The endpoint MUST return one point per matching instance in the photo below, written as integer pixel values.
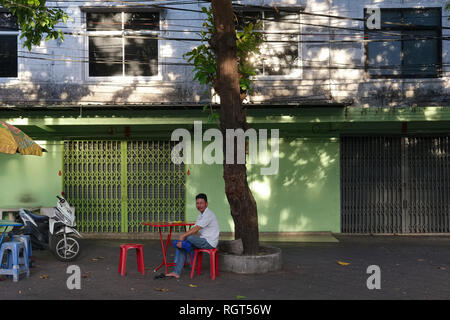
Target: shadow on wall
(68, 94)
(304, 195)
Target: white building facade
(132, 53)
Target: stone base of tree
(231, 246)
(268, 259)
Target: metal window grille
(116, 185)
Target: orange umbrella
(13, 140)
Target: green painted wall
(303, 196)
(30, 181)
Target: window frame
(122, 33)
(403, 29)
(298, 70)
(19, 59)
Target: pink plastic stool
(214, 262)
(123, 257)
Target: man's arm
(191, 231)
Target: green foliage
(248, 43)
(35, 20)
(203, 58)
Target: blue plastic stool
(27, 242)
(14, 267)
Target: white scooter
(55, 232)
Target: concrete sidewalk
(412, 267)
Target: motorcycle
(56, 232)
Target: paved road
(411, 267)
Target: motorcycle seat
(37, 218)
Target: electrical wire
(335, 66)
(126, 33)
(302, 23)
(278, 42)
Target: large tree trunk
(232, 116)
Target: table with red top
(161, 225)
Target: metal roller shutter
(395, 184)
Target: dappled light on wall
(261, 189)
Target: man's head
(201, 202)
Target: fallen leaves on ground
(97, 258)
(86, 274)
(240, 297)
(43, 276)
(162, 289)
(193, 285)
(343, 263)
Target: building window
(407, 46)
(8, 45)
(123, 43)
(280, 52)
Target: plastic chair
(14, 266)
(27, 242)
(214, 262)
(123, 257)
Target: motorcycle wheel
(65, 253)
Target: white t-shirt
(210, 228)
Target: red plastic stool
(214, 262)
(123, 257)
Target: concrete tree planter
(268, 259)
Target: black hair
(201, 196)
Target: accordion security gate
(395, 184)
(116, 185)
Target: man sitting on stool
(208, 227)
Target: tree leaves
(35, 20)
(203, 58)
